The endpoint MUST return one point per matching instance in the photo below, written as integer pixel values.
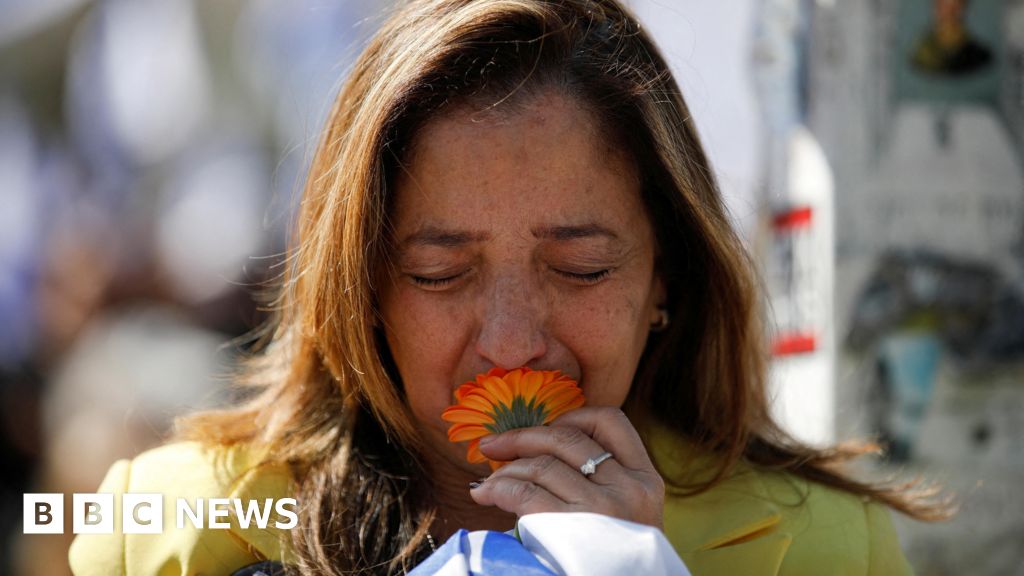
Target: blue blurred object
(910, 361)
(20, 232)
(293, 56)
(139, 84)
(482, 554)
(209, 217)
(21, 18)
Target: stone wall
(930, 216)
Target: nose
(512, 325)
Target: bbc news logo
(144, 513)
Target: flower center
(520, 415)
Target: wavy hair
(326, 395)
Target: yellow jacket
(755, 523)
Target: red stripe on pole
(793, 218)
(790, 344)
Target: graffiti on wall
(919, 307)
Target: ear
(659, 296)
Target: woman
(507, 183)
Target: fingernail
(486, 440)
(476, 483)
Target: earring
(663, 321)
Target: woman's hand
(543, 473)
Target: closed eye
(584, 278)
(434, 282)
(588, 277)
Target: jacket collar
(248, 477)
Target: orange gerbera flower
(501, 400)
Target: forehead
(545, 158)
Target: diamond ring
(590, 466)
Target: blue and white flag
(481, 553)
(557, 544)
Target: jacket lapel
(730, 529)
(733, 528)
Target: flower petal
(478, 400)
(556, 389)
(557, 411)
(496, 371)
(461, 414)
(498, 388)
(462, 432)
(531, 384)
(514, 380)
(464, 389)
(473, 454)
(561, 397)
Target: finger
(567, 443)
(553, 475)
(611, 428)
(517, 496)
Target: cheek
(426, 343)
(605, 331)
(606, 316)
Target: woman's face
(520, 240)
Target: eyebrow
(444, 238)
(431, 236)
(573, 232)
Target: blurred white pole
(800, 267)
(798, 258)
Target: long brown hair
(327, 398)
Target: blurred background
(870, 152)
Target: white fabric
(581, 543)
(476, 551)
(557, 544)
(455, 566)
